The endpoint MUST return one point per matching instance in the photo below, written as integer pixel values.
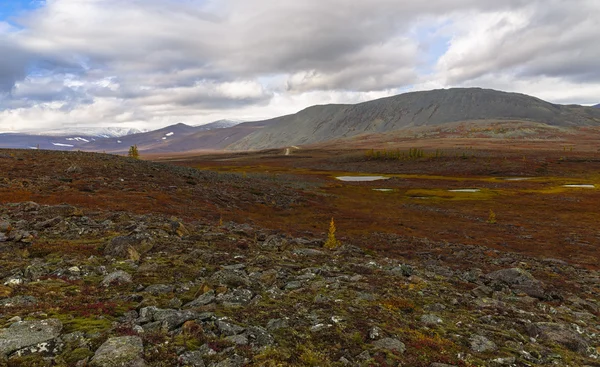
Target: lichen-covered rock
(28, 333)
(117, 277)
(191, 359)
(203, 300)
(560, 334)
(120, 246)
(390, 344)
(481, 344)
(125, 351)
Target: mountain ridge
(318, 124)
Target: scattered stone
(19, 301)
(236, 297)
(481, 344)
(124, 351)
(191, 359)
(123, 245)
(28, 333)
(431, 320)
(560, 334)
(390, 344)
(203, 300)
(276, 324)
(117, 277)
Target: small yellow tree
(332, 242)
(133, 152)
(492, 217)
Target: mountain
(97, 132)
(110, 139)
(220, 124)
(597, 106)
(417, 109)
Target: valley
(463, 256)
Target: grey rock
(191, 359)
(259, 336)
(120, 246)
(403, 270)
(18, 301)
(172, 319)
(308, 252)
(28, 333)
(229, 329)
(230, 278)
(390, 344)
(482, 291)
(157, 289)
(125, 351)
(235, 361)
(273, 243)
(560, 334)
(293, 285)
(5, 226)
(117, 277)
(236, 297)
(506, 361)
(431, 320)
(62, 210)
(481, 344)
(375, 333)
(276, 324)
(511, 276)
(30, 206)
(238, 339)
(203, 300)
(47, 223)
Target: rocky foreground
(82, 288)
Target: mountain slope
(431, 108)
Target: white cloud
(149, 63)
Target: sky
(151, 63)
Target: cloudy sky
(151, 63)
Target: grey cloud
(144, 59)
(558, 39)
(13, 65)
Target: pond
(581, 186)
(465, 190)
(361, 178)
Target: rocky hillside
(432, 108)
(114, 283)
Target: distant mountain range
(597, 106)
(96, 132)
(326, 123)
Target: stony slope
(85, 284)
(431, 108)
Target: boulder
(117, 277)
(481, 344)
(125, 351)
(28, 333)
(390, 344)
(559, 333)
(122, 245)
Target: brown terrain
(219, 258)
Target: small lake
(581, 186)
(518, 178)
(465, 190)
(383, 190)
(361, 178)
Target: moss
(86, 325)
(76, 355)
